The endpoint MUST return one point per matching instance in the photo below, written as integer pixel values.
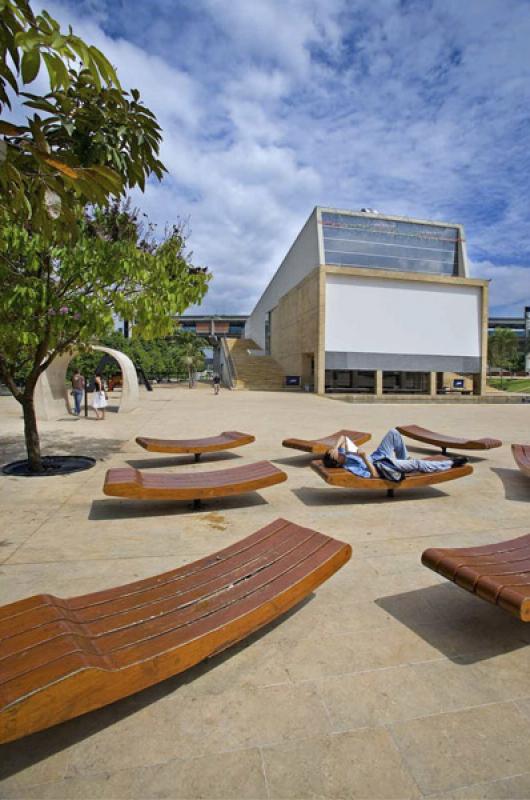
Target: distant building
(520, 326)
(213, 325)
(365, 302)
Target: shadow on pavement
(116, 508)
(344, 497)
(23, 753)
(180, 460)
(436, 451)
(516, 485)
(459, 625)
(12, 448)
(301, 460)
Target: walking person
(99, 401)
(216, 380)
(78, 390)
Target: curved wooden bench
(211, 444)
(499, 573)
(61, 658)
(319, 446)
(521, 454)
(196, 486)
(338, 476)
(443, 441)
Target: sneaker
(459, 461)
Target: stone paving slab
(387, 682)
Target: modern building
(213, 325)
(365, 302)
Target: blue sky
(269, 107)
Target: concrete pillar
(433, 383)
(479, 383)
(320, 372)
(379, 382)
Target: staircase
(258, 372)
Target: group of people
(99, 398)
(390, 460)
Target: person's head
(330, 461)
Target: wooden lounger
(521, 454)
(338, 476)
(196, 486)
(443, 441)
(212, 444)
(499, 573)
(61, 658)
(319, 446)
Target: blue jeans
(78, 397)
(393, 447)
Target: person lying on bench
(390, 461)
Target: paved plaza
(388, 682)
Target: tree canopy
(503, 349)
(83, 141)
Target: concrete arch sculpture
(52, 397)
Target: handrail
(227, 365)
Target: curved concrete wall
(52, 396)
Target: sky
(416, 108)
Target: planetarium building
(369, 303)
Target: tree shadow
(182, 459)
(30, 750)
(345, 497)
(12, 448)
(131, 509)
(516, 485)
(464, 628)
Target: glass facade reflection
(379, 243)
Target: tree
(503, 349)
(64, 269)
(191, 355)
(86, 139)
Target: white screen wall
(366, 315)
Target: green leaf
(30, 65)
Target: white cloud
(509, 288)
(271, 107)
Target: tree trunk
(31, 434)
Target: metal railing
(228, 372)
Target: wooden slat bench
(62, 658)
(498, 573)
(137, 485)
(521, 454)
(441, 440)
(319, 446)
(211, 444)
(338, 476)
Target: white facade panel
(367, 315)
(299, 262)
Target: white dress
(99, 400)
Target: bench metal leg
(197, 457)
(196, 505)
(390, 493)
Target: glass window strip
(400, 258)
(417, 230)
(390, 244)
